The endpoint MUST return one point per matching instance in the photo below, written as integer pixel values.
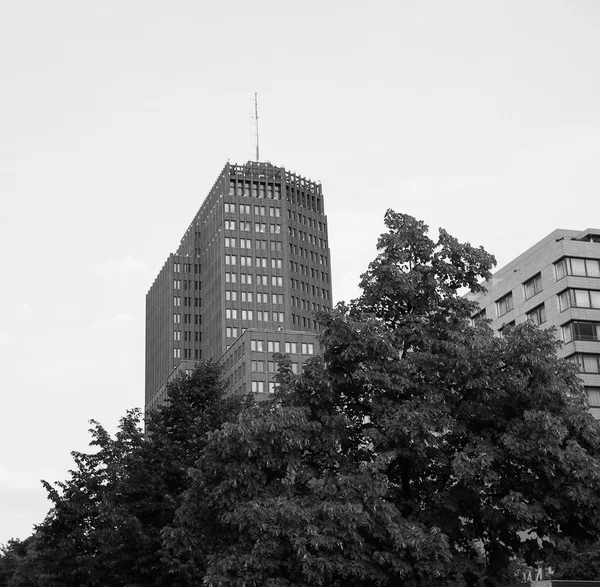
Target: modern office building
(554, 283)
(250, 271)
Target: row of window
(187, 318)
(261, 315)
(306, 304)
(579, 298)
(186, 267)
(248, 278)
(580, 330)
(187, 336)
(246, 261)
(588, 363)
(306, 254)
(255, 189)
(307, 236)
(260, 386)
(258, 226)
(259, 367)
(308, 288)
(570, 298)
(579, 267)
(302, 218)
(187, 354)
(305, 322)
(274, 346)
(567, 266)
(273, 211)
(259, 245)
(187, 301)
(187, 284)
(248, 296)
(308, 271)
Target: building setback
(555, 283)
(250, 271)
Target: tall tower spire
(256, 123)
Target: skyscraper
(250, 271)
(555, 283)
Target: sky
(116, 117)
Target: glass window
(533, 286)
(256, 345)
(537, 315)
(504, 304)
(593, 396)
(273, 346)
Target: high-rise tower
(249, 273)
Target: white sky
(117, 116)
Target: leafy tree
(105, 525)
(440, 451)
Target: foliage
(106, 521)
(421, 450)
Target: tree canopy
(419, 450)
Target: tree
(423, 451)
(106, 521)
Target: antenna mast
(256, 122)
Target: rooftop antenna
(256, 123)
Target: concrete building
(254, 258)
(554, 283)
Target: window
(258, 227)
(537, 315)
(256, 345)
(588, 363)
(504, 305)
(230, 259)
(246, 226)
(229, 224)
(258, 366)
(177, 335)
(177, 353)
(272, 387)
(275, 228)
(230, 277)
(258, 387)
(229, 207)
(533, 286)
(176, 318)
(246, 296)
(308, 348)
(574, 266)
(593, 396)
(273, 346)
(277, 280)
(246, 314)
(578, 330)
(507, 325)
(230, 296)
(579, 298)
(291, 347)
(231, 332)
(231, 313)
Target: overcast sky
(117, 116)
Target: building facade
(555, 283)
(255, 256)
